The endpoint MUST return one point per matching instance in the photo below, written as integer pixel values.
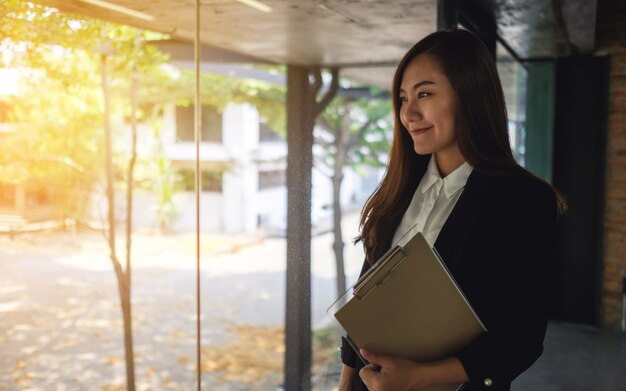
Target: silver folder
(408, 305)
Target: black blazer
(498, 243)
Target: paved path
(60, 326)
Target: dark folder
(409, 305)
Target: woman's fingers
(374, 358)
(370, 375)
(388, 373)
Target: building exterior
(243, 163)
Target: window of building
(211, 128)
(267, 134)
(211, 181)
(272, 179)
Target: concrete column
(579, 164)
(300, 114)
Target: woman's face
(428, 108)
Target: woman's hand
(346, 380)
(390, 373)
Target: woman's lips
(419, 130)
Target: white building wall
(240, 182)
(211, 206)
(272, 209)
(321, 197)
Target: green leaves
(356, 131)
(59, 108)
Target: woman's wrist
(345, 379)
(421, 376)
(449, 370)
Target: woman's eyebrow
(418, 85)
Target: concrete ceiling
(544, 29)
(366, 38)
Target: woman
(452, 175)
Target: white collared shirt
(432, 203)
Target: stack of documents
(408, 305)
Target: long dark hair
(481, 132)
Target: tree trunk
(128, 335)
(338, 244)
(341, 144)
(127, 309)
(130, 175)
(342, 139)
(123, 280)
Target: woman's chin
(422, 150)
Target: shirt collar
(452, 183)
(431, 176)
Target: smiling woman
(451, 175)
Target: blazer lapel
(455, 231)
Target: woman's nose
(411, 111)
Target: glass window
(267, 134)
(60, 303)
(211, 181)
(271, 179)
(211, 124)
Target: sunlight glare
(75, 25)
(171, 70)
(9, 81)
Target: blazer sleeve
(348, 355)
(513, 293)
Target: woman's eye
(423, 94)
(403, 99)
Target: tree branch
(320, 141)
(319, 163)
(354, 139)
(318, 81)
(330, 94)
(325, 123)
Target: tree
(353, 131)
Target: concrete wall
(240, 124)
